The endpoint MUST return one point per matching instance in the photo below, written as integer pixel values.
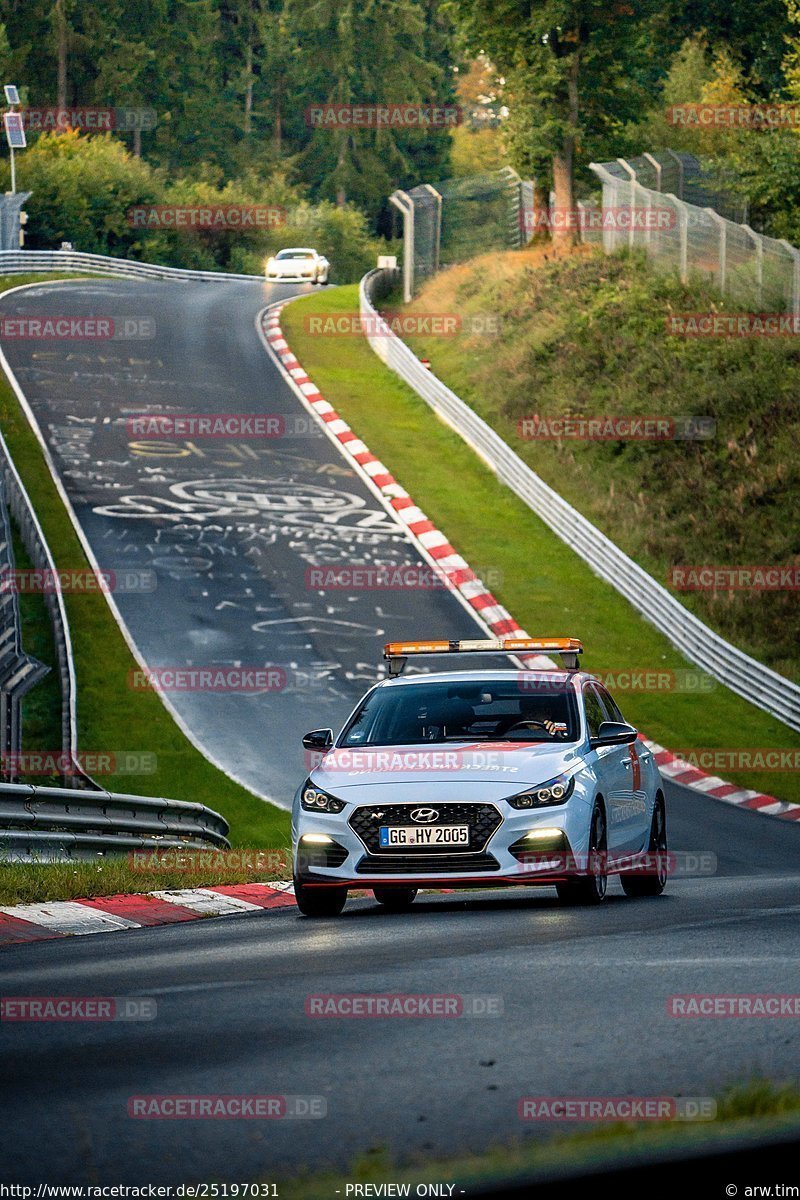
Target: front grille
(444, 864)
(482, 819)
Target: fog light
(544, 840)
(316, 839)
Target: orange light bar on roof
(485, 646)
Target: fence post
(654, 163)
(679, 161)
(722, 225)
(438, 238)
(626, 166)
(684, 229)
(404, 202)
(795, 253)
(759, 245)
(648, 232)
(581, 222)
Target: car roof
(304, 249)
(479, 676)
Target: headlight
(313, 799)
(555, 791)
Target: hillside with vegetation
(582, 335)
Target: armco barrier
(700, 644)
(35, 544)
(39, 822)
(15, 262)
(47, 823)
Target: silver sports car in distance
(299, 264)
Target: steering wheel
(526, 725)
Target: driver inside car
(532, 716)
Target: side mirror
(614, 733)
(318, 739)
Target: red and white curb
(679, 771)
(430, 541)
(64, 918)
(435, 546)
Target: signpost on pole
(15, 130)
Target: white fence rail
(16, 262)
(700, 644)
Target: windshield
(492, 711)
(295, 254)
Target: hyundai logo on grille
(424, 815)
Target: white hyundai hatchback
(479, 778)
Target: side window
(610, 706)
(594, 711)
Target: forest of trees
(230, 81)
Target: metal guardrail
(700, 644)
(48, 823)
(44, 822)
(15, 262)
(19, 672)
(35, 543)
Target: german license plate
(421, 835)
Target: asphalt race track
(583, 994)
(227, 529)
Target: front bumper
(495, 855)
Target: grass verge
(541, 581)
(587, 335)
(37, 883)
(112, 717)
(753, 1111)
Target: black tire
(319, 901)
(589, 889)
(395, 899)
(639, 885)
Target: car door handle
(626, 762)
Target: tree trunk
(341, 195)
(248, 92)
(540, 217)
(61, 52)
(137, 142)
(565, 229)
(277, 131)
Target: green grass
(36, 883)
(586, 335)
(544, 585)
(751, 1111)
(111, 716)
